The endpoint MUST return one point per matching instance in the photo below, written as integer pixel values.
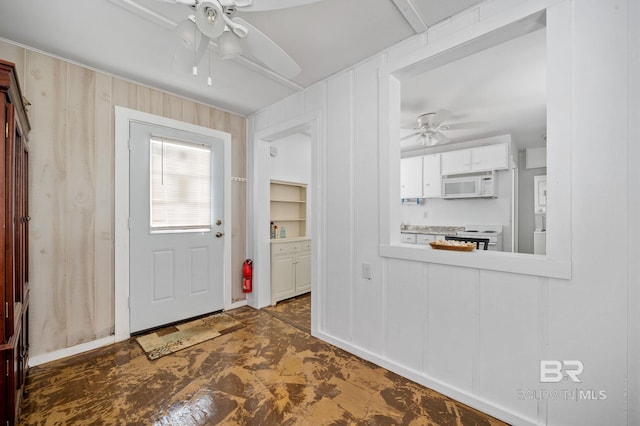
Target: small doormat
(174, 338)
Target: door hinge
(130, 145)
(129, 223)
(7, 368)
(6, 309)
(129, 302)
(6, 129)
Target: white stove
(492, 232)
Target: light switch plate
(366, 270)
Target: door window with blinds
(180, 186)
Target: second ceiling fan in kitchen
(431, 127)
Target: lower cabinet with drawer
(290, 269)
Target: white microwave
(478, 186)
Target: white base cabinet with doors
(290, 268)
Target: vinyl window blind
(180, 186)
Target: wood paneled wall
(72, 190)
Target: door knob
(219, 234)
(218, 222)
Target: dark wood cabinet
(14, 232)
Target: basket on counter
(452, 245)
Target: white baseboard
(94, 344)
(236, 305)
(73, 350)
(459, 395)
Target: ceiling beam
(412, 16)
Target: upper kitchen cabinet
(431, 176)
(411, 177)
(481, 159)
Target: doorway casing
(259, 231)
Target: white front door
(176, 225)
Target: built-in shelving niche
(289, 208)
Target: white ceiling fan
(430, 127)
(216, 20)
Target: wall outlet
(366, 270)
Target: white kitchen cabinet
(490, 157)
(481, 159)
(427, 238)
(454, 162)
(290, 269)
(303, 272)
(431, 176)
(408, 238)
(411, 177)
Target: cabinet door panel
(411, 177)
(492, 157)
(431, 177)
(282, 277)
(303, 272)
(456, 162)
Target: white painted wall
(292, 163)
(475, 334)
(293, 160)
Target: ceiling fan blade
(410, 136)
(442, 115)
(185, 2)
(258, 46)
(466, 125)
(262, 5)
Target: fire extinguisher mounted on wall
(247, 276)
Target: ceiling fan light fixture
(228, 45)
(209, 18)
(434, 138)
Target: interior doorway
(288, 140)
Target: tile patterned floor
(267, 373)
(295, 311)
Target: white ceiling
(497, 91)
(501, 90)
(133, 39)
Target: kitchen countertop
(433, 230)
(288, 240)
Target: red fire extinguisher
(247, 276)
